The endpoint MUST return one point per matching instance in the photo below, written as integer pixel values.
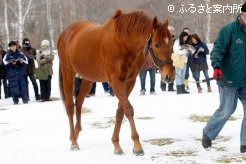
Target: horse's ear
(165, 23)
(117, 13)
(154, 22)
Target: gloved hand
(217, 74)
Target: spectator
(3, 74)
(228, 59)
(30, 53)
(107, 89)
(199, 62)
(18, 45)
(45, 59)
(151, 68)
(180, 72)
(189, 60)
(15, 62)
(163, 84)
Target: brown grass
(198, 118)
(160, 141)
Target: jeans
(180, 75)
(142, 76)
(196, 76)
(228, 103)
(93, 88)
(77, 84)
(105, 86)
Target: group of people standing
(195, 60)
(194, 53)
(18, 64)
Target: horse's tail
(61, 84)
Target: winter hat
(243, 9)
(12, 43)
(45, 43)
(26, 42)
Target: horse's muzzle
(167, 79)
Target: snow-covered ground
(170, 128)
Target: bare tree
(6, 20)
(208, 23)
(50, 24)
(22, 18)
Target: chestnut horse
(114, 52)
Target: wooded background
(45, 19)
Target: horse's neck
(137, 42)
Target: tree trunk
(49, 19)
(21, 18)
(208, 23)
(6, 21)
(20, 21)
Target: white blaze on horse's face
(166, 40)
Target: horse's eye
(157, 45)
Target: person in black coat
(15, 62)
(30, 53)
(3, 78)
(199, 62)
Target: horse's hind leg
(84, 90)
(67, 84)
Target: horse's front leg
(129, 113)
(122, 91)
(115, 138)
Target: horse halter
(149, 50)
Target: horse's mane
(137, 22)
(133, 22)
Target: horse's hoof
(75, 147)
(138, 152)
(119, 152)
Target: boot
(163, 86)
(183, 89)
(209, 89)
(199, 88)
(186, 83)
(242, 149)
(37, 97)
(179, 91)
(206, 142)
(170, 87)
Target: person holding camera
(45, 59)
(15, 63)
(30, 53)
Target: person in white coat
(179, 49)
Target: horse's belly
(89, 71)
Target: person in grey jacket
(45, 59)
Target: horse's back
(71, 31)
(79, 45)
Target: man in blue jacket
(229, 62)
(15, 62)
